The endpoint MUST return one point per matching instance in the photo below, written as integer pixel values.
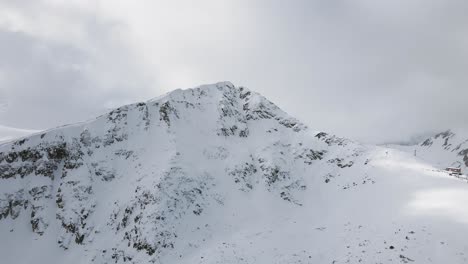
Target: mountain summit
(219, 174)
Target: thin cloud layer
(375, 71)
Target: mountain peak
(143, 172)
(213, 174)
(224, 87)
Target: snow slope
(9, 133)
(445, 149)
(219, 174)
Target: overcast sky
(370, 70)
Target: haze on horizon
(375, 71)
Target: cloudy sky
(371, 70)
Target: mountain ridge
(216, 174)
(11, 133)
(448, 148)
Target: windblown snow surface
(219, 174)
(10, 133)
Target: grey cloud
(375, 71)
(375, 74)
(46, 84)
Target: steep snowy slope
(218, 174)
(449, 148)
(9, 133)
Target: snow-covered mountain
(445, 149)
(219, 174)
(10, 133)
